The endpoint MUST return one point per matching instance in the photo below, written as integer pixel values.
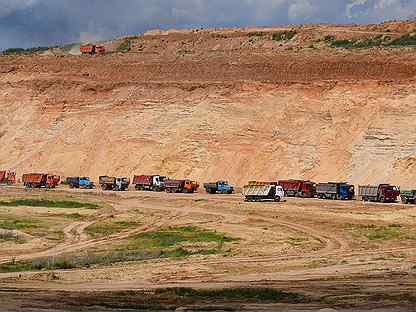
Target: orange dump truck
(7, 177)
(181, 186)
(91, 49)
(40, 180)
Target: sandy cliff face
(186, 106)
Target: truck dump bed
(368, 190)
(257, 190)
(328, 188)
(107, 180)
(143, 180)
(34, 178)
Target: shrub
(284, 35)
(405, 40)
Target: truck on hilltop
(91, 49)
(221, 187)
(383, 193)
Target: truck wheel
(382, 199)
(277, 199)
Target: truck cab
(158, 183)
(224, 188)
(190, 186)
(122, 184)
(408, 197)
(86, 183)
(280, 193)
(346, 191)
(388, 193)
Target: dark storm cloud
(26, 23)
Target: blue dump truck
(335, 190)
(80, 182)
(221, 187)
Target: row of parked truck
(253, 191)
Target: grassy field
(47, 204)
(383, 232)
(169, 243)
(48, 227)
(109, 227)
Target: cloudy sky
(28, 23)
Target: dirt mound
(236, 104)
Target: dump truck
(221, 187)
(40, 180)
(263, 191)
(155, 183)
(80, 183)
(7, 177)
(383, 193)
(408, 197)
(335, 190)
(298, 188)
(181, 186)
(91, 49)
(114, 183)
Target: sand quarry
(232, 104)
(337, 254)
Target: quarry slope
(218, 104)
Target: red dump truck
(180, 186)
(91, 49)
(298, 188)
(7, 177)
(155, 183)
(40, 180)
(383, 193)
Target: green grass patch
(383, 232)
(175, 236)
(47, 204)
(238, 294)
(20, 224)
(44, 226)
(88, 260)
(108, 228)
(153, 245)
(10, 237)
(284, 35)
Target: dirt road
(306, 245)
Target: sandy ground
(329, 262)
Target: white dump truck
(263, 191)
